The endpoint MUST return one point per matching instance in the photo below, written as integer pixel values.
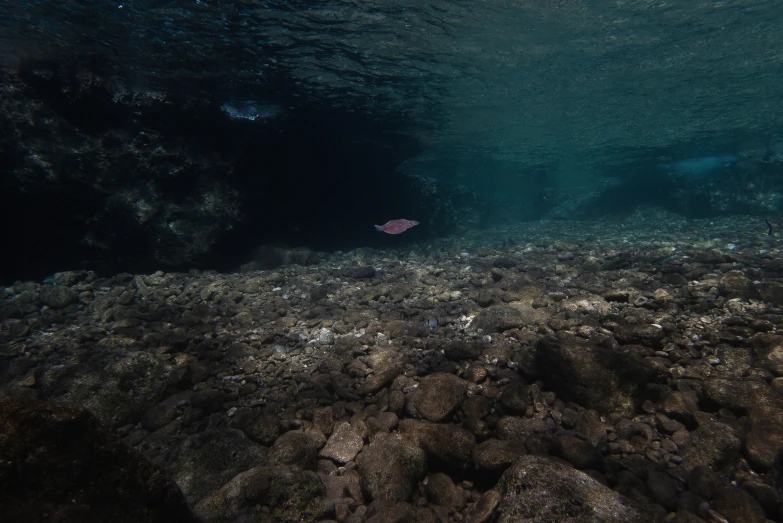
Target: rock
(265, 493)
(494, 454)
(261, 428)
(446, 443)
(579, 452)
(714, 444)
(365, 271)
(459, 350)
(681, 405)
(323, 420)
(663, 489)
(768, 352)
(57, 296)
(203, 462)
(437, 396)
(297, 449)
(538, 489)
(499, 318)
(158, 416)
(386, 364)
(739, 394)
(209, 400)
(702, 481)
(644, 334)
(515, 398)
(60, 464)
(440, 489)
(599, 378)
(484, 509)
(381, 511)
(764, 437)
(734, 284)
(383, 422)
(343, 445)
(738, 506)
(117, 387)
(390, 467)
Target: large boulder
(59, 464)
(539, 489)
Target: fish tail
(380, 227)
(771, 228)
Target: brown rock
(441, 490)
(537, 489)
(740, 394)
(343, 445)
(714, 444)
(297, 448)
(681, 405)
(494, 454)
(277, 493)
(390, 468)
(764, 437)
(738, 506)
(485, 507)
(437, 396)
(447, 443)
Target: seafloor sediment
(552, 371)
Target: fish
(396, 226)
(773, 228)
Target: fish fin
(380, 227)
(771, 227)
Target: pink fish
(396, 226)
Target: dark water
(146, 134)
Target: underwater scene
(391, 261)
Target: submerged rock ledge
(552, 371)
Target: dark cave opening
(311, 176)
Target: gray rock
(734, 284)
(390, 468)
(343, 444)
(437, 396)
(57, 296)
(277, 493)
(538, 489)
(205, 461)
